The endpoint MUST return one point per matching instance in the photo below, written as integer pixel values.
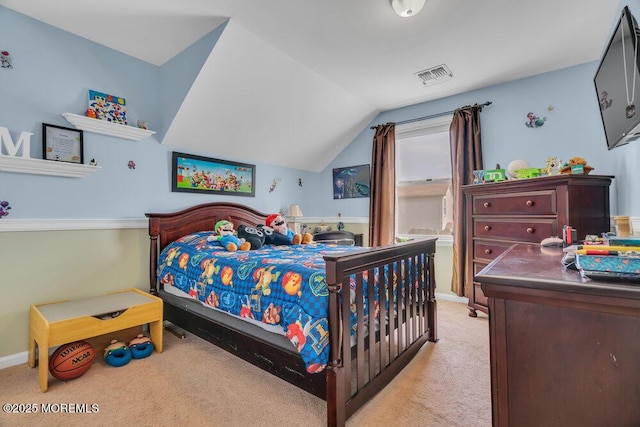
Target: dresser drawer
(488, 250)
(526, 203)
(516, 229)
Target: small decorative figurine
(534, 121)
(478, 176)
(552, 166)
(131, 164)
(4, 209)
(142, 124)
(274, 184)
(5, 59)
(93, 162)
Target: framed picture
(62, 144)
(197, 174)
(351, 182)
(111, 108)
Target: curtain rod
(432, 116)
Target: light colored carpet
(447, 384)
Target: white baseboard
(451, 297)
(13, 359)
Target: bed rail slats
(389, 333)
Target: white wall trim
(66, 224)
(332, 220)
(452, 298)
(13, 359)
(70, 224)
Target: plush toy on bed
(226, 236)
(253, 235)
(272, 237)
(279, 225)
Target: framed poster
(351, 182)
(62, 144)
(197, 174)
(111, 108)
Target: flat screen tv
(617, 83)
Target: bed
(388, 322)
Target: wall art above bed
(197, 174)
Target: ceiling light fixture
(407, 8)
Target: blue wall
(53, 70)
(573, 129)
(52, 73)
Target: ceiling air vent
(434, 75)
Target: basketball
(70, 361)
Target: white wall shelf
(107, 128)
(45, 167)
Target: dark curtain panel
(466, 156)
(382, 201)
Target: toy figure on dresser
(225, 234)
(576, 165)
(279, 225)
(553, 165)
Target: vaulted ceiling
(301, 79)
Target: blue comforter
(275, 285)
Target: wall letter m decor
(11, 148)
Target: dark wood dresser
(565, 351)
(499, 214)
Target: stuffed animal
(253, 235)
(552, 168)
(576, 161)
(279, 225)
(272, 237)
(226, 236)
(117, 354)
(140, 347)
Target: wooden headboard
(164, 228)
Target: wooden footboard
(389, 335)
(405, 324)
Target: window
(424, 204)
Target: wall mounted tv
(617, 83)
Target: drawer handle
(487, 227)
(487, 204)
(488, 251)
(529, 203)
(530, 230)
